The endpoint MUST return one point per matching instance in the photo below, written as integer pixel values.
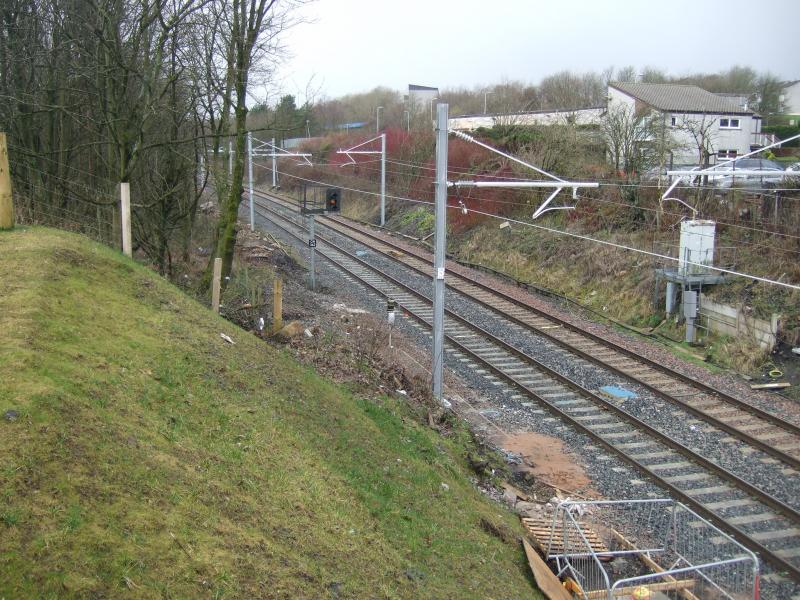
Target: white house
(580, 116)
(729, 129)
(790, 96)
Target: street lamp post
(485, 94)
(378, 119)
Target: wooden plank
(673, 586)
(215, 285)
(657, 568)
(770, 386)
(540, 530)
(548, 583)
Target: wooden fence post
(6, 200)
(125, 216)
(215, 284)
(277, 305)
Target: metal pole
(378, 119)
(383, 179)
(439, 249)
(274, 168)
(250, 179)
(312, 242)
(230, 159)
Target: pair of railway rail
(759, 520)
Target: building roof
(522, 113)
(680, 98)
(421, 88)
(356, 125)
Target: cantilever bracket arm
(349, 152)
(689, 206)
(357, 146)
(557, 184)
(270, 150)
(350, 158)
(543, 206)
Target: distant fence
(40, 197)
(97, 221)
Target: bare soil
(546, 459)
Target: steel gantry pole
(439, 249)
(250, 179)
(383, 179)
(274, 166)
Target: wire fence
(95, 220)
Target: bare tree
(635, 141)
(245, 44)
(700, 131)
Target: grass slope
(152, 459)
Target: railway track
(758, 428)
(747, 423)
(759, 520)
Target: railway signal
(332, 199)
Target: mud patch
(548, 462)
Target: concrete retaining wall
(727, 320)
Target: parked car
(652, 174)
(773, 174)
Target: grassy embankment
(142, 456)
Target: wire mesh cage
(666, 551)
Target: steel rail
(770, 419)
(765, 415)
(694, 458)
(764, 446)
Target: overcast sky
(356, 45)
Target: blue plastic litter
(618, 393)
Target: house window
(726, 154)
(729, 124)
(673, 122)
